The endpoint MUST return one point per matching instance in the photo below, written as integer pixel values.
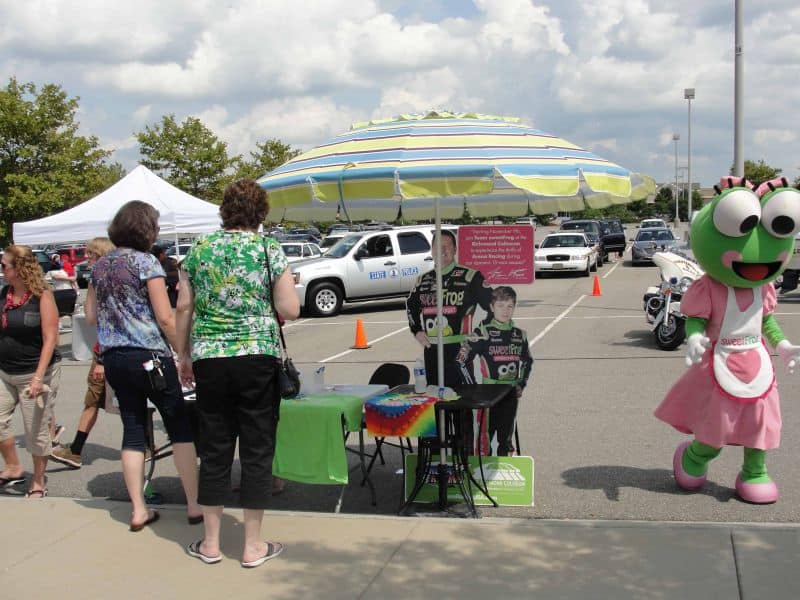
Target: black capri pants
(236, 397)
(126, 375)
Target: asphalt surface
(586, 416)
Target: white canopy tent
(179, 212)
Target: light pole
(688, 94)
(675, 138)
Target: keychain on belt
(155, 373)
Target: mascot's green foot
(753, 484)
(685, 480)
(757, 491)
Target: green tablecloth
(309, 446)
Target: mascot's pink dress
(697, 403)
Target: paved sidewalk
(64, 548)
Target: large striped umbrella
(487, 164)
(437, 164)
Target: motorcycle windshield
(677, 266)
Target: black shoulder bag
(288, 375)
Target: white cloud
(605, 74)
(766, 137)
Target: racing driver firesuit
(503, 357)
(464, 289)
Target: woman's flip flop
(193, 549)
(273, 550)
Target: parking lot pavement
(586, 416)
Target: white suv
(365, 265)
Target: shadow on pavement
(611, 478)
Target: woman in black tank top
(28, 339)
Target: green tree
(45, 166)
(269, 156)
(758, 172)
(188, 155)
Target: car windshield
(343, 246)
(651, 224)
(663, 235)
(563, 241)
(330, 241)
(581, 226)
(613, 226)
(292, 249)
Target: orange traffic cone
(361, 337)
(596, 288)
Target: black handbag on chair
(288, 375)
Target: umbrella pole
(442, 470)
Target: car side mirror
(536, 246)
(360, 253)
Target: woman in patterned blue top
(135, 327)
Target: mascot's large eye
(781, 213)
(737, 213)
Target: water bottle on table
(420, 380)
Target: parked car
(590, 225)
(565, 251)
(613, 236)
(312, 234)
(365, 265)
(180, 252)
(43, 258)
(338, 228)
(650, 240)
(597, 244)
(653, 223)
(74, 253)
(526, 221)
(331, 240)
(82, 274)
(295, 251)
(376, 226)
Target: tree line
(47, 167)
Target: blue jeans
(126, 375)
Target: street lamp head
(688, 93)
(675, 137)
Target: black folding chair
(391, 374)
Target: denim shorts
(125, 373)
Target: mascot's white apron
(742, 365)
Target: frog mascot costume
(728, 397)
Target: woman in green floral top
(230, 351)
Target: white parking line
(294, 323)
(611, 270)
(370, 342)
(556, 320)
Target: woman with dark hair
(135, 327)
(228, 346)
(28, 364)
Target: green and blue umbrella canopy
(487, 164)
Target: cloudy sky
(608, 75)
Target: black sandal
(151, 519)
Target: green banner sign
(509, 480)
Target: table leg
(364, 470)
(482, 488)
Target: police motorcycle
(788, 280)
(662, 303)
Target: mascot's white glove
(789, 353)
(696, 345)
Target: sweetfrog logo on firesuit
(500, 475)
